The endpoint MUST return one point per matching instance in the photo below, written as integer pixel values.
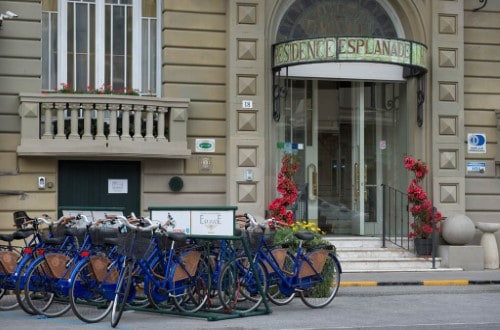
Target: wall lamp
(7, 15)
(484, 2)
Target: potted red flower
(425, 217)
(288, 190)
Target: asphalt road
(393, 307)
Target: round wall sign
(176, 183)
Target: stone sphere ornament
(458, 229)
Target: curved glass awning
(410, 55)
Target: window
(95, 43)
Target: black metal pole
(434, 238)
(383, 218)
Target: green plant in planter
(284, 236)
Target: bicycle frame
(288, 284)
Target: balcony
(105, 126)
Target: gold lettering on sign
(333, 49)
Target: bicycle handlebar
(129, 223)
(45, 220)
(253, 222)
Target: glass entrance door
(350, 138)
(341, 157)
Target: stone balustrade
(117, 126)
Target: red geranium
(421, 207)
(288, 190)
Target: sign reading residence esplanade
(350, 49)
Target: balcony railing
(103, 125)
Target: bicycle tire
(86, 294)
(122, 293)
(238, 288)
(323, 291)
(159, 298)
(20, 294)
(274, 293)
(41, 293)
(195, 288)
(8, 300)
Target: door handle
(356, 181)
(312, 178)
(365, 182)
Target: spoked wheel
(238, 286)
(324, 287)
(40, 291)
(87, 293)
(20, 294)
(275, 295)
(8, 300)
(190, 292)
(158, 297)
(122, 293)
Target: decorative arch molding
(408, 18)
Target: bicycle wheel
(190, 292)
(8, 300)
(41, 292)
(122, 293)
(321, 289)
(20, 294)
(158, 297)
(238, 286)
(274, 292)
(86, 292)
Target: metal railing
(397, 219)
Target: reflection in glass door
(341, 132)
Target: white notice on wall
(117, 186)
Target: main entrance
(350, 138)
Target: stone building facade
(217, 109)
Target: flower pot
(423, 246)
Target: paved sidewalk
(440, 276)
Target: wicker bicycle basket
(135, 244)
(8, 262)
(190, 260)
(253, 237)
(317, 259)
(99, 234)
(279, 255)
(100, 264)
(52, 231)
(78, 233)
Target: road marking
(446, 282)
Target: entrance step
(365, 254)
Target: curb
(457, 282)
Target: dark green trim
(192, 208)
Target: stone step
(365, 254)
(380, 265)
(354, 242)
(369, 253)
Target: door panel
(350, 138)
(86, 184)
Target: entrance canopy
(380, 58)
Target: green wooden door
(100, 184)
